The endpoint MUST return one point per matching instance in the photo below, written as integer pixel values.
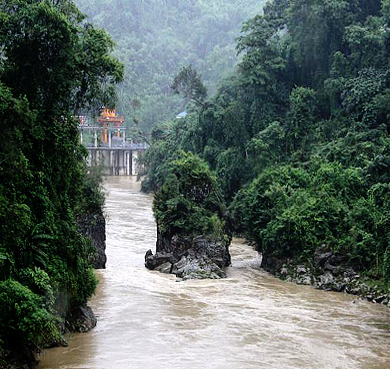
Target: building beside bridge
(108, 145)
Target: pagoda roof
(110, 116)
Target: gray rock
(198, 257)
(380, 299)
(93, 226)
(165, 268)
(335, 275)
(81, 319)
(335, 269)
(326, 281)
(347, 280)
(321, 255)
(305, 279)
(178, 268)
(154, 261)
(272, 264)
(301, 270)
(195, 267)
(213, 248)
(355, 291)
(284, 271)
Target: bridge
(108, 146)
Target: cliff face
(93, 226)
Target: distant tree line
(155, 38)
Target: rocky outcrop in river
(190, 257)
(328, 271)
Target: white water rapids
(148, 320)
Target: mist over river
(249, 320)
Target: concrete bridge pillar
(115, 161)
(134, 158)
(128, 162)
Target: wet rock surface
(93, 226)
(24, 359)
(81, 319)
(328, 272)
(190, 258)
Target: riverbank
(91, 224)
(327, 271)
(249, 320)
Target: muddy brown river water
(249, 320)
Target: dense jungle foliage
(156, 37)
(52, 63)
(298, 136)
(190, 201)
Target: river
(249, 320)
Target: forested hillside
(299, 136)
(156, 37)
(52, 64)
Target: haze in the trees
(299, 135)
(155, 39)
(188, 83)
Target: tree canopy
(155, 39)
(299, 135)
(52, 63)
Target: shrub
(190, 200)
(24, 320)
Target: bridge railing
(116, 138)
(119, 145)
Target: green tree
(300, 119)
(190, 200)
(299, 134)
(263, 71)
(188, 83)
(156, 38)
(52, 64)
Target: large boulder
(81, 319)
(191, 258)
